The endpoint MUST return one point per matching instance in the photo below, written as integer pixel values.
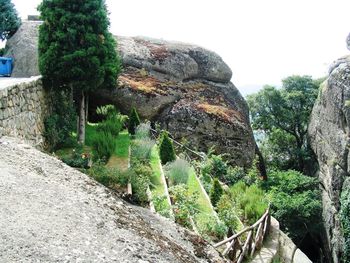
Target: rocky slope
(53, 213)
(329, 137)
(185, 88)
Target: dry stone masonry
(23, 108)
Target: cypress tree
(9, 20)
(166, 149)
(216, 192)
(76, 51)
(134, 121)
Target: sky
(261, 41)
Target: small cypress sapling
(134, 121)
(216, 192)
(166, 149)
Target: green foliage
(178, 171)
(143, 131)
(250, 200)
(184, 204)
(134, 121)
(109, 176)
(61, 123)
(9, 20)
(2, 51)
(140, 180)
(234, 174)
(211, 228)
(103, 146)
(161, 205)
(166, 149)
(106, 111)
(227, 212)
(216, 192)
(345, 222)
(295, 202)
(141, 150)
(282, 115)
(215, 167)
(75, 46)
(77, 159)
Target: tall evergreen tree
(76, 51)
(9, 20)
(134, 121)
(166, 149)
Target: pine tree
(216, 192)
(166, 149)
(134, 121)
(9, 20)
(76, 51)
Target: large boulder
(329, 136)
(187, 90)
(23, 48)
(184, 87)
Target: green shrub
(166, 149)
(109, 176)
(250, 200)
(141, 150)
(106, 111)
(234, 175)
(214, 167)
(113, 122)
(103, 146)
(61, 123)
(178, 171)
(2, 51)
(184, 204)
(293, 193)
(143, 131)
(211, 228)
(134, 121)
(161, 205)
(227, 212)
(77, 159)
(140, 180)
(216, 192)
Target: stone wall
(23, 108)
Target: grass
(121, 153)
(157, 187)
(204, 206)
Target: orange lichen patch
(146, 85)
(222, 112)
(197, 86)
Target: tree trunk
(86, 107)
(82, 121)
(261, 163)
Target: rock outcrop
(185, 88)
(23, 48)
(330, 140)
(51, 212)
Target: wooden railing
(256, 234)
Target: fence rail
(256, 234)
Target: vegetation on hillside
(9, 20)
(76, 51)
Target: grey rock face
(178, 60)
(23, 48)
(54, 213)
(329, 135)
(348, 41)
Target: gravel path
(53, 213)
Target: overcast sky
(262, 41)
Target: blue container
(5, 66)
